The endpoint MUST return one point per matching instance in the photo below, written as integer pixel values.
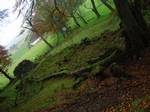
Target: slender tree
(105, 2)
(72, 7)
(27, 9)
(39, 34)
(94, 9)
(82, 18)
(5, 60)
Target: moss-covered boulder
(23, 68)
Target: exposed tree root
(85, 71)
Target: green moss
(51, 94)
(96, 70)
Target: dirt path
(111, 93)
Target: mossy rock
(23, 68)
(27, 89)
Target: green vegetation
(50, 63)
(78, 64)
(106, 23)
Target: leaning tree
(72, 7)
(26, 8)
(50, 14)
(5, 60)
(137, 34)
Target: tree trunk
(134, 33)
(137, 11)
(107, 5)
(82, 18)
(5, 74)
(38, 34)
(95, 9)
(75, 20)
(44, 40)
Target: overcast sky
(10, 26)
(6, 4)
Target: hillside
(102, 64)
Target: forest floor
(115, 95)
(103, 93)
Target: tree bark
(135, 36)
(107, 5)
(137, 11)
(5, 74)
(95, 9)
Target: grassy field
(39, 50)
